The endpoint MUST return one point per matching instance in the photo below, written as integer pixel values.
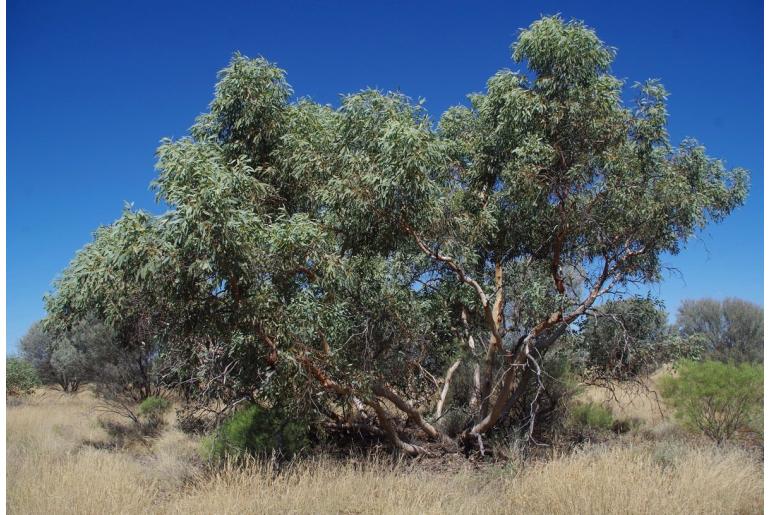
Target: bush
(627, 424)
(154, 406)
(592, 416)
(715, 398)
(152, 410)
(256, 431)
(20, 377)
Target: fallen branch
(390, 432)
(383, 391)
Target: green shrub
(256, 431)
(592, 416)
(20, 377)
(563, 385)
(151, 411)
(153, 406)
(715, 398)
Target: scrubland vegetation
(361, 310)
(61, 460)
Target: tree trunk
(495, 342)
(390, 431)
(476, 388)
(383, 391)
(445, 389)
(506, 389)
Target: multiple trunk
(492, 398)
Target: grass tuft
(51, 469)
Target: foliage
(151, 411)
(152, 406)
(20, 377)
(57, 362)
(733, 329)
(626, 338)
(256, 431)
(332, 260)
(82, 353)
(715, 398)
(592, 416)
(35, 347)
(547, 402)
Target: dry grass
(51, 471)
(633, 401)
(619, 480)
(60, 460)
(647, 479)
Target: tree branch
(383, 391)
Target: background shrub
(715, 398)
(256, 431)
(20, 377)
(153, 406)
(591, 416)
(551, 405)
(732, 329)
(151, 410)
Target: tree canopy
(733, 329)
(339, 261)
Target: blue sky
(93, 86)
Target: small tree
(71, 364)
(733, 329)
(715, 398)
(88, 350)
(57, 360)
(71, 357)
(36, 347)
(20, 377)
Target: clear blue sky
(93, 86)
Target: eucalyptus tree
(107, 305)
(551, 173)
(348, 262)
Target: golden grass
(51, 471)
(643, 480)
(640, 401)
(619, 480)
